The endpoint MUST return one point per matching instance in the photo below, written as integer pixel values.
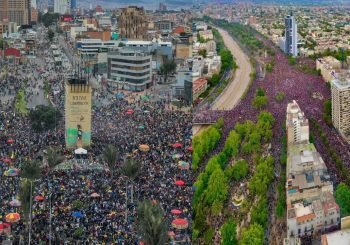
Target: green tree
(50, 35)
(228, 233)
(203, 53)
(167, 68)
(44, 118)
(24, 197)
(238, 171)
(151, 223)
(262, 177)
(131, 169)
(31, 170)
(53, 157)
(110, 156)
(260, 102)
(342, 195)
(327, 112)
(260, 213)
(233, 141)
(217, 189)
(253, 235)
(280, 96)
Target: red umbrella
(4, 227)
(189, 148)
(10, 141)
(180, 223)
(129, 112)
(177, 145)
(39, 198)
(176, 211)
(6, 160)
(179, 183)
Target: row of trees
(206, 142)
(212, 185)
(342, 195)
(44, 118)
(244, 34)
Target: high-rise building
(62, 6)
(73, 4)
(132, 23)
(341, 106)
(297, 124)
(17, 11)
(291, 36)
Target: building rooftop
(304, 157)
(336, 238)
(341, 84)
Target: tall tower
(15, 11)
(78, 103)
(291, 35)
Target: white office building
(130, 68)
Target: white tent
(80, 151)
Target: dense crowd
(109, 216)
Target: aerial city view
(175, 122)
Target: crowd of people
(109, 215)
(295, 85)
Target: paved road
(232, 94)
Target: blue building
(291, 36)
(73, 4)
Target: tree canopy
(342, 195)
(228, 233)
(44, 117)
(252, 235)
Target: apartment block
(132, 23)
(297, 124)
(17, 11)
(341, 106)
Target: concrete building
(311, 207)
(184, 46)
(328, 67)
(164, 26)
(341, 106)
(297, 124)
(336, 238)
(62, 6)
(199, 86)
(132, 23)
(183, 76)
(291, 36)
(17, 11)
(130, 68)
